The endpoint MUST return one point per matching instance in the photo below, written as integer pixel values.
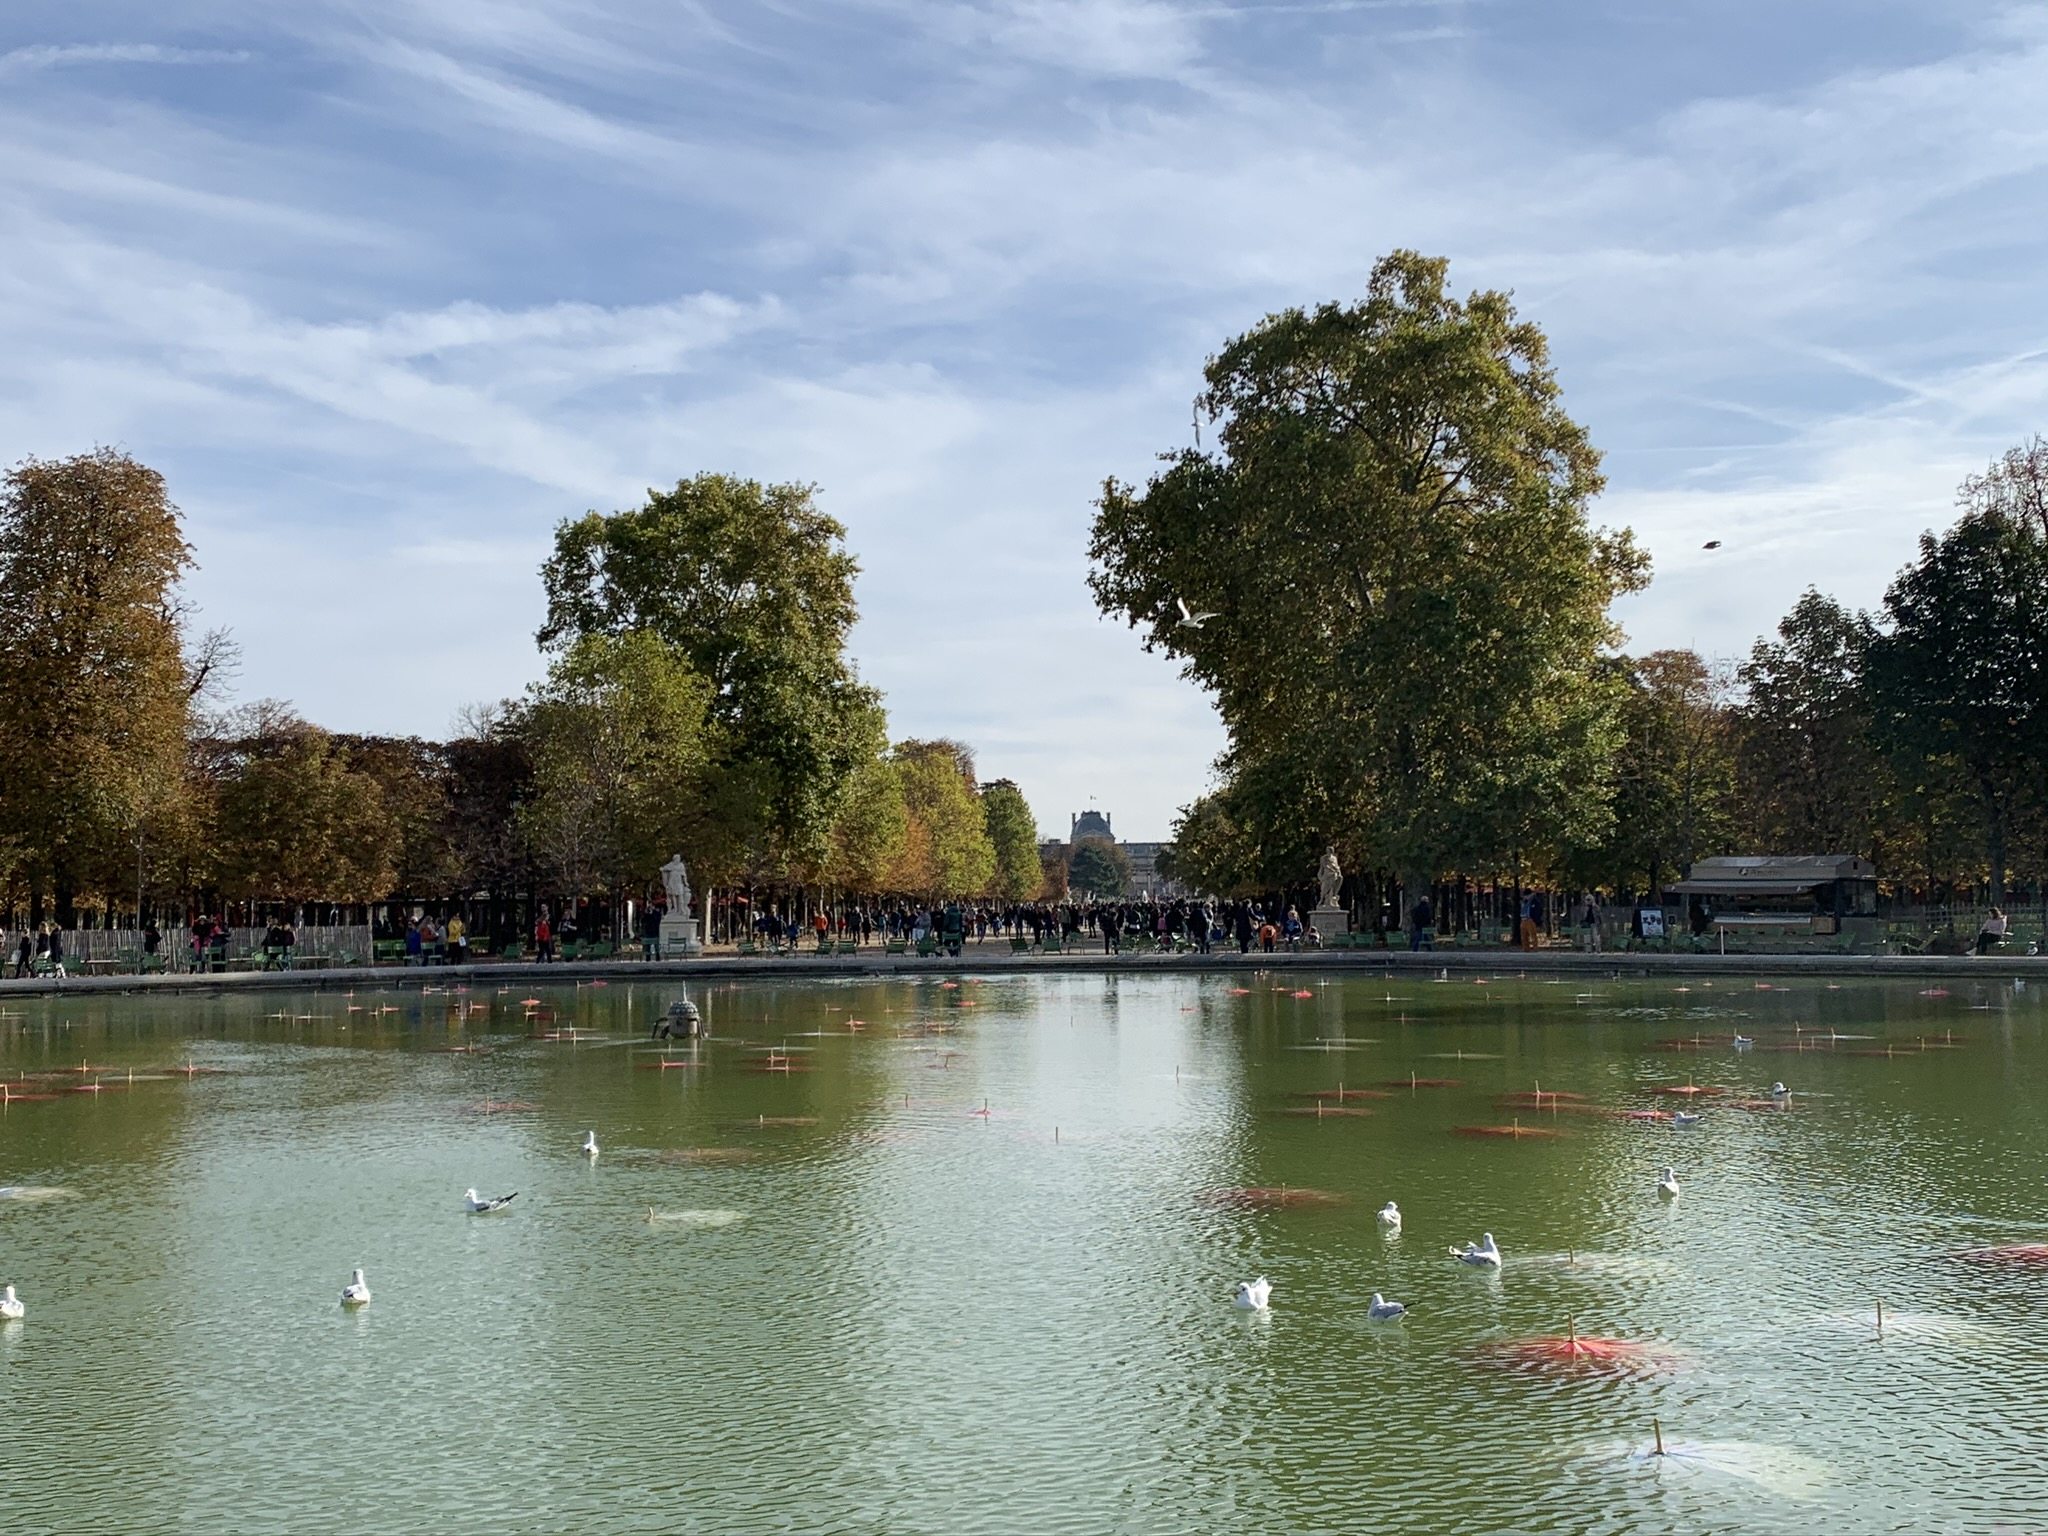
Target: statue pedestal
(679, 937)
(1329, 921)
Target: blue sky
(387, 289)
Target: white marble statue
(1330, 878)
(675, 879)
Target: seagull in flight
(1192, 620)
(1711, 544)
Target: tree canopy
(1409, 604)
(753, 587)
(93, 682)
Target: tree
(1959, 668)
(946, 847)
(1013, 834)
(618, 742)
(2015, 487)
(94, 699)
(872, 830)
(1409, 604)
(1809, 777)
(753, 587)
(1098, 868)
(1674, 773)
(295, 821)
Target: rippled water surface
(923, 1257)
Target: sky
(387, 289)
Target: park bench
(1019, 945)
(895, 947)
(927, 947)
(849, 946)
(749, 947)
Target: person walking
(543, 940)
(1589, 925)
(25, 955)
(1422, 925)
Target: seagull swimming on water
(1191, 620)
(1685, 1117)
(1667, 1183)
(590, 1143)
(356, 1293)
(1390, 1216)
(1383, 1310)
(1780, 1091)
(1253, 1295)
(11, 1309)
(479, 1206)
(1484, 1252)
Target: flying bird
(1711, 544)
(1191, 620)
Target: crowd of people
(1185, 923)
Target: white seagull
(1253, 1295)
(1383, 1310)
(1780, 1091)
(479, 1206)
(356, 1293)
(1192, 620)
(1484, 1252)
(1390, 1216)
(1743, 1042)
(590, 1143)
(1667, 1183)
(11, 1309)
(1685, 1117)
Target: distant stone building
(1144, 857)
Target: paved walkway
(994, 961)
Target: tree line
(696, 697)
(1409, 638)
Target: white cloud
(54, 55)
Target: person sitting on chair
(1992, 934)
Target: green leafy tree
(752, 585)
(1409, 603)
(295, 821)
(1959, 669)
(1674, 774)
(617, 739)
(1013, 834)
(1098, 868)
(94, 689)
(1809, 776)
(946, 848)
(872, 830)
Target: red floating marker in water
(1321, 1111)
(1304, 994)
(1517, 1131)
(1685, 1090)
(1575, 1351)
(1645, 1114)
(2029, 1254)
(1423, 1082)
(1281, 1197)
(1935, 992)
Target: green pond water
(808, 1286)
